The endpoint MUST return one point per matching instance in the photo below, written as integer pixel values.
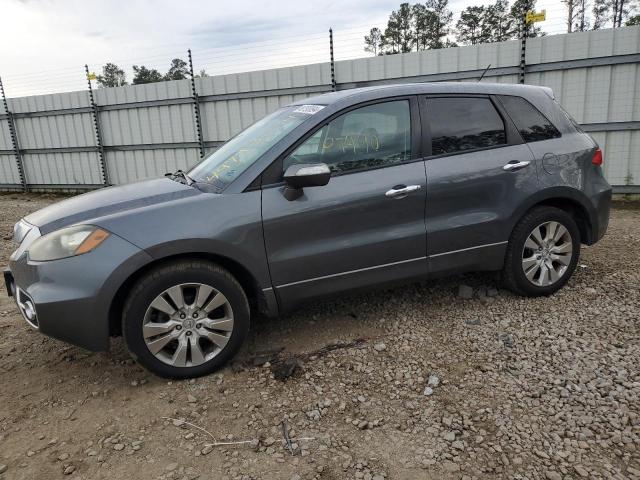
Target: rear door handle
(400, 191)
(515, 165)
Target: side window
(464, 123)
(374, 136)
(532, 125)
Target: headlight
(67, 242)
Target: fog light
(29, 311)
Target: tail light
(597, 157)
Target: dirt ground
(517, 388)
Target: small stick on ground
(182, 422)
(285, 434)
(241, 442)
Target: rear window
(459, 124)
(532, 125)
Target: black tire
(168, 275)
(513, 275)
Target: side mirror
(304, 175)
(307, 175)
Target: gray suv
(342, 191)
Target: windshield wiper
(179, 173)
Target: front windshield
(226, 163)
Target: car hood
(108, 201)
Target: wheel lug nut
(182, 315)
(198, 325)
(178, 327)
(188, 333)
(195, 315)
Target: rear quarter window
(532, 125)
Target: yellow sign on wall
(533, 17)
(91, 76)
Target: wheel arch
(242, 274)
(569, 200)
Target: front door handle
(515, 165)
(400, 191)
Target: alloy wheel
(188, 324)
(547, 253)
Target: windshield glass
(226, 163)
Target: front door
(367, 224)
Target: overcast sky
(44, 44)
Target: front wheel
(542, 253)
(185, 319)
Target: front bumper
(71, 297)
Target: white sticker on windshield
(308, 109)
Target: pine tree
(600, 13)
(571, 13)
(422, 21)
(472, 26)
(112, 76)
(499, 21)
(178, 70)
(519, 11)
(402, 19)
(440, 19)
(581, 21)
(143, 74)
(620, 11)
(373, 41)
(391, 37)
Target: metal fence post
(96, 126)
(333, 65)
(196, 107)
(523, 48)
(14, 140)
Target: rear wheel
(185, 319)
(543, 252)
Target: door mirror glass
(307, 175)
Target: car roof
(354, 95)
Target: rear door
(478, 172)
(367, 224)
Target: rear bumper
(71, 297)
(600, 215)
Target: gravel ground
(426, 384)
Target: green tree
(112, 76)
(600, 13)
(472, 27)
(178, 70)
(373, 41)
(401, 25)
(423, 25)
(620, 11)
(142, 74)
(571, 13)
(499, 21)
(635, 20)
(441, 18)
(519, 11)
(581, 21)
(203, 73)
(420, 25)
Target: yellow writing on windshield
(364, 143)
